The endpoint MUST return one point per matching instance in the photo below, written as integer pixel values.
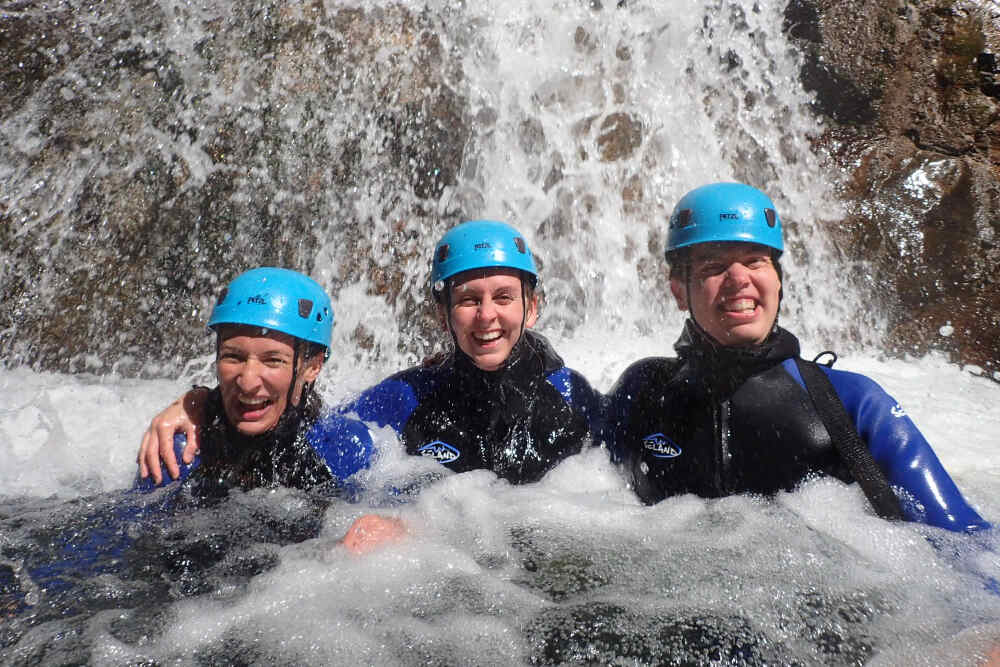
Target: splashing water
(585, 125)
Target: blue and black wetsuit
(721, 420)
(305, 450)
(518, 421)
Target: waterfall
(154, 151)
(151, 150)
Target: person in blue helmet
(501, 400)
(263, 425)
(738, 410)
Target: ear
(312, 367)
(679, 290)
(532, 315)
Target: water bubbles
(947, 329)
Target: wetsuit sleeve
(344, 444)
(581, 397)
(389, 403)
(147, 485)
(903, 454)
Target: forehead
(708, 252)
(489, 278)
(255, 339)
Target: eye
(504, 298)
(710, 269)
(275, 362)
(757, 262)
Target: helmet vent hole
(305, 307)
(222, 295)
(771, 216)
(442, 252)
(684, 217)
(519, 242)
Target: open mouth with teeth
(739, 306)
(253, 407)
(486, 337)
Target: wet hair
(311, 349)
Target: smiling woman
(262, 424)
(502, 400)
(257, 376)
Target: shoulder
(575, 390)
(146, 485)
(568, 381)
(848, 385)
(644, 372)
(859, 392)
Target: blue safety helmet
(481, 244)
(724, 212)
(278, 299)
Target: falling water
(173, 144)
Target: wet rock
(620, 135)
(915, 133)
(143, 179)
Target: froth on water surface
(571, 569)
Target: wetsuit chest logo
(441, 452)
(661, 446)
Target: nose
(737, 275)
(249, 378)
(487, 309)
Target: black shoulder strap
(845, 437)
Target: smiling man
(738, 411)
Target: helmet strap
(296, 357)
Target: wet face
(255, 374)
(487, 314)
(732, 291)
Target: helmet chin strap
(295, 375)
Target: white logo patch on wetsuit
(898, 411)
(661, 446)
(441, 452)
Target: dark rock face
(915, 125)
(145, 169)
(149, 156)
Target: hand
(185, 414)
(371, 531)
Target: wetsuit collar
(723, 366)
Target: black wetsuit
(724, 420)
(518, 421)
